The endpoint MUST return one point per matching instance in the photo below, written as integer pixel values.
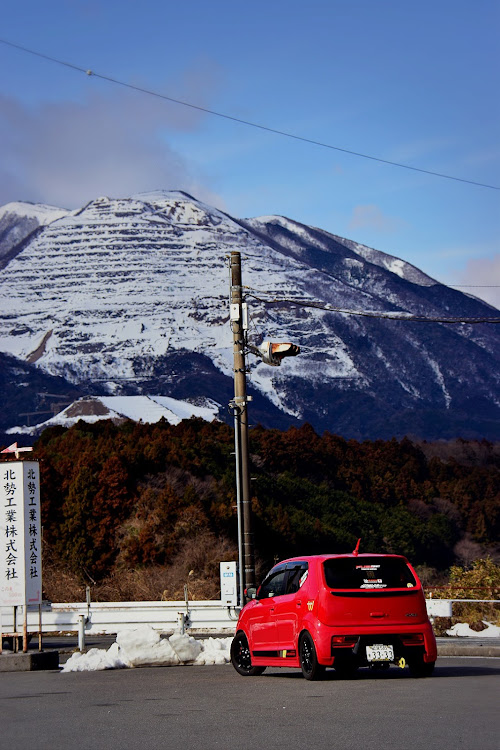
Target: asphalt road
(209, 708)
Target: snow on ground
(145, 647)
(463, 629)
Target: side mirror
(250, 592)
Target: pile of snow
(463, 629)
(145, 647)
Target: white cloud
(113, 143)
(371, 217)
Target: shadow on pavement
(441, 671)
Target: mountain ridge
(135, 294)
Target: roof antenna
(355, 551)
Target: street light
(271, 354)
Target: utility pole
(237, 317)
(271, 354)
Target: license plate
(379, 652)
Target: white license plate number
(379, 652)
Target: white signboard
(228, 593)
(20, 534)
(438, 607)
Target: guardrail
(104, 618)
(107, 618)
(444, 607)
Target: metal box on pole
(228, 587)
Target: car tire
(241, 659)
(311, 669)
(420, 668)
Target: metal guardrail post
(181, 622)
(81, 632)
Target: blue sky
(405, 82)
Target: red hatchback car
(340, 611)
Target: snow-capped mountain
(130, 296)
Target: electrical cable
(405, 317)
(241, 121)
(474, 286)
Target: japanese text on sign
(20, 552)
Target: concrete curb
(30, 662)
(467, 649)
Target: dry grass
(196, 564)
(60, 585)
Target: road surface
(209, 708)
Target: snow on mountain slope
(118, 408)
(124, 276)
(18, 220)
(131, 296)
(42, 213)
(395, 265)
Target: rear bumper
(361, 636)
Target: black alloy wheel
(241, 659)
(311, 669)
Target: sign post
(20, 535)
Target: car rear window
(368, 573)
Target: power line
(249, 123)
(404, 317)
(474, 286)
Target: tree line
(129, 496)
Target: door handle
(299, 603)
(377, 614)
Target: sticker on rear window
(377, 584)
(368, 573)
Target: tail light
(412, 639)
(341, 641)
